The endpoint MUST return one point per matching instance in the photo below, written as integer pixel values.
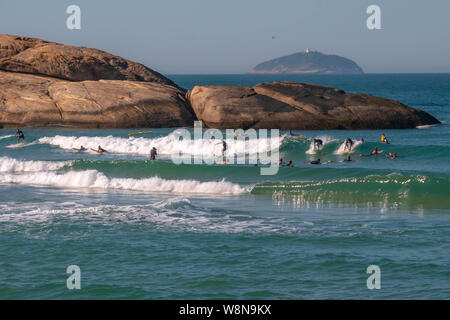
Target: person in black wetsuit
(349, 159)
(21, 135)
(317, 144)
(224, 147)
(348, 144)
(314, 162)
(153, 154)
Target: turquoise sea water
(157, 230)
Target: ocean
(141, 229)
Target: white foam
(325, 140)
(6, 137)
(14, 165)
(97, 180)
(166, 145)
(342, 150)
(21, 145)
(427, 126)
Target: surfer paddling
(80, 149)
(373, 153)
(99, 150)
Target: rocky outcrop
(308, 62)
(29, 100)
(36, 56)
(291, 105)
(45, 83)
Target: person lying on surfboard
(374, 153)
(80, 149)
(313, 162)
(99, 150)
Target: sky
(232, 36)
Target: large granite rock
(291, 105)
(27, 100)
(45, 83)
(36, 56)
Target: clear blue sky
(232, 36)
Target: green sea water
(157, 230)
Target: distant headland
(308, 62)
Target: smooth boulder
(292, 105)
(30, 100)
(36, 56)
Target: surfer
(318, 143)
(289, 164)
(392, 155)
(313, 162)
(153, 154)
(361, 139)
(349, 159)
(348, 144)
(224, 147)
(21, 136)
(80, 149)
(281, 163)
(384, 139)
(373, 153)
(99, 150)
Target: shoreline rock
(291, 105)
(44, 83)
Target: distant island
(308, 62)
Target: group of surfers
(318, 143)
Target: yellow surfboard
(130, 134)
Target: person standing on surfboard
(153, 154)
(224, 148)
(21, 136)
(348, 144)
(317, 144)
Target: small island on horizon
(308, 62)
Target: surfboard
(16, 145)
(130, 134)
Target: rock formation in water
(292, 105)
(45, 83)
